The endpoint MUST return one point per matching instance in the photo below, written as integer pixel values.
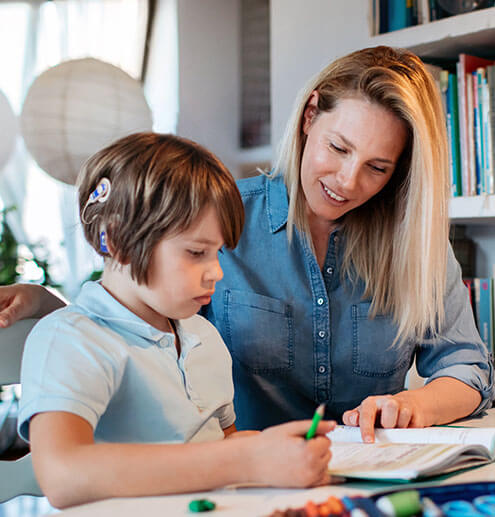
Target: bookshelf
(446, 38)
(472, 33)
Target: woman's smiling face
(350, 154)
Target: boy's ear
(111, 250)
(310, 111)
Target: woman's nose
(348, 175)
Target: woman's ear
(310, 111)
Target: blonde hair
(397, 241)
(160, 185)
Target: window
(40, 34)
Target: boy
(119, 387)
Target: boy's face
(182, 274)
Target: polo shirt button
(321, 333)
(322, 369)
(330, 270)
(320, 301)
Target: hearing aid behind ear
(100, 194)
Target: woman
(344, 274)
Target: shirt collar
(277, 205)
(99, 303)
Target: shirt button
(322, 369)
(329, 270)
(320, 301)
(321, 333)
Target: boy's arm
(72, 469)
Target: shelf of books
(460, 53)
(442, 38)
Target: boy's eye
(196, 253)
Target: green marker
(320, 411)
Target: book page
(401, 461)
(454, 435)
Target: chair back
(16, 477)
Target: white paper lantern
(77, 107)
(8, 130)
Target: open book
(409, 454)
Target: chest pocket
(373, 354)
(259, 331)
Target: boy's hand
(283, 457)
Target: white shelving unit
(473, 210)
(471, 33)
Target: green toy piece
(201, 505)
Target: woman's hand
(441, 401)
(20, 301)
(387, 411)
(284, 457)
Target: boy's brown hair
(160, 184)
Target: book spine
(424, 11)
(453, 132)
(397, 14)
(462, 108)
(474, 180)
(490, 87)
(487, 138)
(478, 137)
(383, 13)
(468, 282)
(484, 307)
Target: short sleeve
(67, 366)
(226, 415)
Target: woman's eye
(337, 148)
(378, 169)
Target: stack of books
(468, 94)
(392, 15)
(481, 297)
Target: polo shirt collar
(99, 303)
(277, 205)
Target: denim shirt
(300, 335)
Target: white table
(244, 502)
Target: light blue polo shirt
(100, 361)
